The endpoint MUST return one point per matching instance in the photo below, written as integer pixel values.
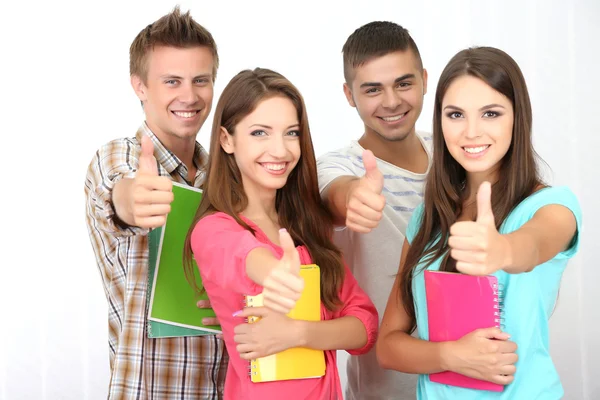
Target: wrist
(259, 264)
(299, 333)
(445, 355)
(120, 198)
(350, 188)
(508, 256)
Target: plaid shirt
(143, 368)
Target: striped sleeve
(331, 166)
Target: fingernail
(235, 314)
(282, 230)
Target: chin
(188, 133)
(392, 135)
(395, 137)
(473, 168)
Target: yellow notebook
(298, 362)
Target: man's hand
(145, 200)
(364, 201)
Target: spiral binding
(499, 306)
(249, 302)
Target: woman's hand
(477, 246)
(484, 354)
(283, 286)
(271, 334)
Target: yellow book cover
(298, 362)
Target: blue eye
(454, 115)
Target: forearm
(550, 231)
(401, 352)
(523, 254)
(121, 195)
(345, 333)
(336, 196)
(259, 263)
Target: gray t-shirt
(374, 259)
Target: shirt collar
(166, 158)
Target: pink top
(220, 246)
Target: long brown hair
(444, 194)
(298, 203)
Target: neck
(183, 148)
(261, 205)
(407, 153)
(475, 179)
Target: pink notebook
(458, 304)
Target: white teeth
(185, 114)
(392, 119)
(475, 150)
(274, 167)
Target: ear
(226, 141)
(139, 87)
(348, 93)
(424, 74)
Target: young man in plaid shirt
(128, 189)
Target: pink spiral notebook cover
(458, 304)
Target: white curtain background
(65, 92)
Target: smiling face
(388, 93)
(177, 93)
(477, 123)
(265, 145)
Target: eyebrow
(269, 127)
(397, 80)
(170, 76)
(451, 107)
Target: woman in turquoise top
(485, 211)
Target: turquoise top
(529, 299)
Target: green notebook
(172, 310)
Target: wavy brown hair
(298, 203)
(444, 189)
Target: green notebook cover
(172, 310)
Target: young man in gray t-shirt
(373, 185)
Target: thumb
(372, 173)
(147, 161)
(485, 214)
(494, 333)
(290, 254)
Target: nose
(277, 146)
(188, 94)
(391, 99)
(473, 130)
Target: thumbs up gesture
(364, 201)
(283, 286)
(478, 247)
(151, 194)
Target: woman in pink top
(261, 218)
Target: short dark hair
(376, 39)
